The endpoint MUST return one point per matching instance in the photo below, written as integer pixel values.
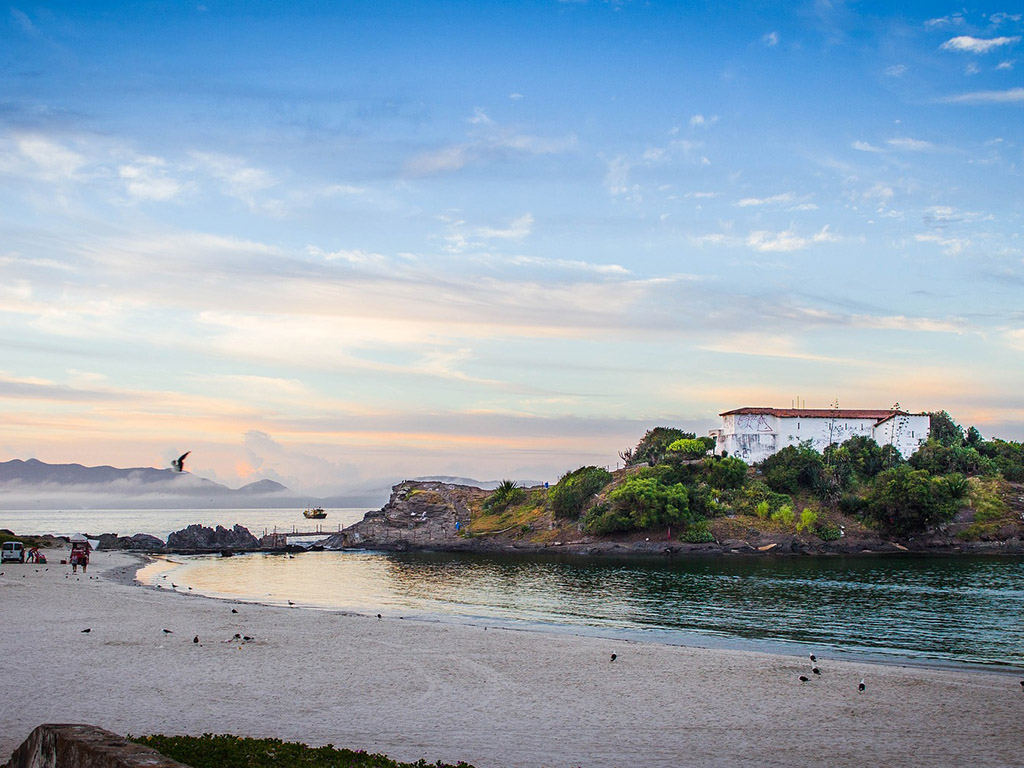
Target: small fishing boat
(316, 513)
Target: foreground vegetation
(671, 485)
(226, 751)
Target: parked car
(13, 552)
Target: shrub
(828, 531)
(651, 448)
(690, 448)
(648, 503)
(507, 493)
(904, 501)
(792, 468)
(698, 533)
(762, 510)
(569, 496)
(808, 519)
(957, 485)
(784, 515)
(601, 520)
(227, 751)
(726, 473)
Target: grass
(991, 512)
(227, 751)
(520, 518)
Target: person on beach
(74, 560)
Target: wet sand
(494, 698)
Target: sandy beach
(494, 698)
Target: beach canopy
(78, 537)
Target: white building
(754, 434)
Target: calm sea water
(962, 610)
(160, 522)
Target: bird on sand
(861, 687)
(234, 610)
(379, 616)
(87, 631)
(815, 670)
(168, 632)
(290, 603)
(813, 658)
(179, 463)
(614, 656)
(1022, 684)
(195, 639)
(804, 678)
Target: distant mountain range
(34, 484)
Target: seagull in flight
(179, 463)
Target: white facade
(754, 434)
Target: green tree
(944, 429)
(792, 468)
(726, 473)
(641, 503)
(651, 448)
(569, 496)
(690, 448)
(905, 501)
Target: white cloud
(747, 202)
(787, 241)
(968, 44)
(953, 20)
(490, 142)
(911, 145)
(1005, 65)
(896, 70)
(569, 264)
(771, 39)
(53, 161)
(460, 238)
(147, 179)
(951, 246)
(863, 146)
(239, 180)
(1010, 96)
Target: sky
(328, 243)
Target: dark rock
(200, 537)
(139, 542)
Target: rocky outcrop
(142, 542)
(419, 515)
(199, 537)
(84, 746)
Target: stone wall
(84, 746)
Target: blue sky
(327, 243)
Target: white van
(13, 551)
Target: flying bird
(179, 463)
(861, 687)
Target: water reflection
(941, 608)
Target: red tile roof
(819, 413)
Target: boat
(316, 513)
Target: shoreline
(664, 637)
(496, 699)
